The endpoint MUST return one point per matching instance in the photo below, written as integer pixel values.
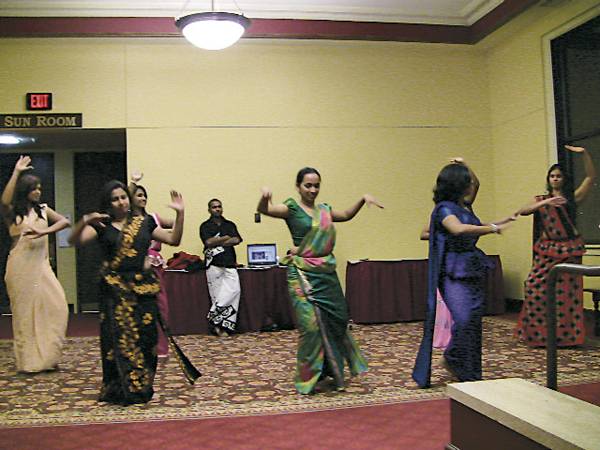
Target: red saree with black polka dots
(558, 242)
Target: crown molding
(267, 27)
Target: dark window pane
(588, 212)
(583, 75)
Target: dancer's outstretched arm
(456, 227)
(266, 206)
(507, 219)
(533, 206)
(348, 214)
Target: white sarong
(224, 290)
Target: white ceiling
(440, 12)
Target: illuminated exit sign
(39, 101)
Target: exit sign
(39, 101)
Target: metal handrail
(578, 269)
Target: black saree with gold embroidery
(128, 313)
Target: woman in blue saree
(457, 268)
(321, 309)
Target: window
(576, 74)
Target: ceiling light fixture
(212, 30)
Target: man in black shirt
(219, 236)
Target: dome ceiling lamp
(212, 30)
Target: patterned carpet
(251, 374)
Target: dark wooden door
(91, 172)
(43, 167)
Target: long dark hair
(305, 171)
(25, 184)
(452, 183)
(567, 189)
(138, 187)
(106, 195)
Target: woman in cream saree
(37, 300)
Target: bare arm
(22, 165)
(533, 206)
(83, 232)
(507, 219)
(222, 241)
(57, 221)
(173, 236)
(266, 206)
(348, 214)
(457, 228)
(216, 241)
(231, 241)
(166, 222)
(590, 173)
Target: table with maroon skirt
(376, 291)
(264, 302)
(396, 291)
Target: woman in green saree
(314, 287)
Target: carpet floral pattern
(251, 374)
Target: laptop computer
(262, 255)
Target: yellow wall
(522, 129)
(378, 118)
(372, 117)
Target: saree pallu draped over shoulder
(322, 313)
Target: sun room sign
(74, 120)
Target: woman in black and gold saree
(128, 311)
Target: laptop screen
(262, 254)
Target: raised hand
(572, 148)
(176, 201)
(96, 218)
(370, 200)
(266, 192)
(457, 160)
(23, 164)
(137, 175)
